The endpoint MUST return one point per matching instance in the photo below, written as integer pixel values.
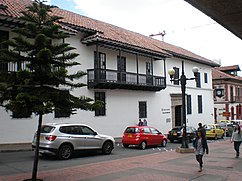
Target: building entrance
(178, 115)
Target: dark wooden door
(121, 66)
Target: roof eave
(97, 39)
(194, 59)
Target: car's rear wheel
(126, 145)
(65, 152)
(107, 148)
(143, 145)
(164, 142)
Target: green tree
(41, 82)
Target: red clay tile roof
(217, 74)
(230, 68)
(106, 31)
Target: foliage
(41, 81)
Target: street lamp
(183, 81)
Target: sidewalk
(219, 165)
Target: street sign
(226, 114)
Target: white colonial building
(126, 70)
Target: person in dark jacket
(202, 129)
(140, 123)
(200, 145)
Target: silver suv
(62, 139)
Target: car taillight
(50, 138)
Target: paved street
(220, 165)
(21, 162)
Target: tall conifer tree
(41, 82)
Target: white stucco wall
(121, 105)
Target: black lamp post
(183, 80)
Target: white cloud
(47, 1)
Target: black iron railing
(237, 99)
(106, 78)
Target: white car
(62, 139)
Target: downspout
(164, 71)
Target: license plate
(130, 135)
(174, 134)
(40, 138)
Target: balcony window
(142, 109)
(200, 104)
(176, 76)
(62, 113)
(198, 82)
(101, 97)
(205, 78)
(189, 104)
(231, 94)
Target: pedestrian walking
(145, 122)
(202, 129)
(200, 145)
(236, 138)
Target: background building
(227, 93)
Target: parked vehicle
(143, 136)
(228, 128)
(214, 131)
(62, 139)
(176, 133)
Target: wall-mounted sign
(168, 120)
(165, 111)
(226, 114)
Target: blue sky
(185, 26)
(67, 5)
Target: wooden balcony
(113, 79)
(237, 99)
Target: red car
(143, 136)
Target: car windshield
(177, 129)
(47, 129)
(132, 130)
(209, 127)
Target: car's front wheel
(65, 152)
(107, 148)
(164, 142)
(143, 145)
